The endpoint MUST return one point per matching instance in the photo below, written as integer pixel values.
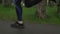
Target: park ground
(29, 15)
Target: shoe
(17, 25)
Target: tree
(58, 5)
(7, 3)
(0, 1)
(41, 9)
(51, 3)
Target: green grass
(29, 15)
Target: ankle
(20, 22)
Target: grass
(29, 15)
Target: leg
(19, 10)
(19, 14)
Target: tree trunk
(51, 3)
(58, 9)
(6, 3)
(41, 9)
(0, 1)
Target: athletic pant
(18, 9)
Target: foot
(17, 25)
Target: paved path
(29, 29)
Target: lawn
(29, 15)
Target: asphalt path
(29, 28)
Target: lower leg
(19, 12)
(19, 16)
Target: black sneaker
(17, 25)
